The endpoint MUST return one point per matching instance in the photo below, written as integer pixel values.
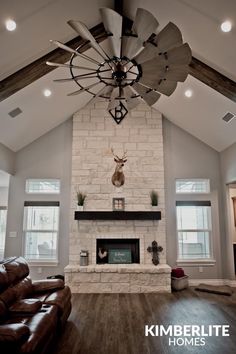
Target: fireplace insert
(119, 251)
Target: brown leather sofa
(32, 313)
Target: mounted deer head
(118, 178)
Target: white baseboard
(195, 282)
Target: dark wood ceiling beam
(118, 6)
(38, 68)
(213, 78)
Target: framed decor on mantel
(118, 204)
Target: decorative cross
(155, 249)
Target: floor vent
(15, 112)
(228, 117)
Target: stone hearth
(121, 278)
(140, 134)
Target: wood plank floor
(114, 323)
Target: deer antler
(114, 154)
(124, 156)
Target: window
(42, 186)
(194, 230)
(192, 186)
(3, 222)
(41, 222)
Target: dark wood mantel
(117, 215)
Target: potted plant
(80, 200)
(154, 199)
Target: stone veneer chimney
(94, 134)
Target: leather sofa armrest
(29, 306)
(13, 333)
(47, 285)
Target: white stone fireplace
(140, 134)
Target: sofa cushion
(30, 306)
(23, 288)
(47, 285)
(8, 296)
(17, 269)
(60, 298)
(13, 332)
(42, 328)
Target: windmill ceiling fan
(138, 64)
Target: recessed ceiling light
(226, 26)
(47, 92)
(10, 25)
(188, 93)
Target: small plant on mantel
(154, 199)
(80, 200)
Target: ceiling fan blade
(144, 24)
(113, 25)
(156, 63)
(132, 103)
(166, 87)
(131, 46)
(114, 102)
(150, 97)
(128, 92)
(100, 92)
(73, 51)
(168, 38)
(179, 55)
(65, 47)
(83, 31)
(153, 70)
(107, 92)
(177, 73)
(82, 77)
(131, 100)
(149, 52)
(69, 66)
(83, 89)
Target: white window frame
(195, 261)
(185, 180)
(27, 184)
(3, 241)
(41, 261)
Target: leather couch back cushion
(23, 289)
(8, 296)
(17, 269)
(3, 278)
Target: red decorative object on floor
(177, 273)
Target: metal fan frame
(113, 60)
(149, 64)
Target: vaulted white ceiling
(41, 20)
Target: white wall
(187, 157)
(47, 157)
(7, 159)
